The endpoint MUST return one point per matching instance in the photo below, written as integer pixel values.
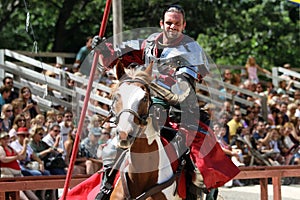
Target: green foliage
(229, 30)
(264, 29)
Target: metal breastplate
(184, 58)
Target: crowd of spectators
(48, 136)
(272, 140)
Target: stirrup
(105, 192)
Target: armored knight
(179, 62)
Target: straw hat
(3, 134)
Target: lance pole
(86, 101)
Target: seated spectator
(6, 114)
(88, 149)
(236, 79)
(40, 118)
(297, 95)
(9, 164)
(30, 105)
(291, 111)
(9, 82)
(227, 107)
(249, 117)
(234, 124)
(260, 135)
(80, 163)
(52, 138)
(259, 89)
(283, 87)
(223, 119)
(4, 95)
(45, 152)
(279, 119)
(66, 126)
(272, 116)
(274, 148)
(290, 139)
(227, 76)
(17, 105)
(18, 145)
(235, 154)
(19, 121)
(95, 122)
(28, 166)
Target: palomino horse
(146, 172)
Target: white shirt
(49, 140)
(64, 131)
(17, 146)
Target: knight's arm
(181, 90)
(128, 52)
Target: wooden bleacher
(12, 186)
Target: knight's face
(173, 25)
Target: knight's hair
(173, 8)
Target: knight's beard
(172, 35)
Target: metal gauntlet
(171, 98)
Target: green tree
(268, 30)
(229, 30)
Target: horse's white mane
(150, 132)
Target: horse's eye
(145, 99)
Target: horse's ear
(120, 71)
(148, 70)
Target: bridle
(142, 119)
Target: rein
(142, 119)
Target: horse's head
(131, 102)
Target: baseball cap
(22, 130)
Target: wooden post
(276, 188)
(117, 21)
(275, 76)
(264, 188)
(2, 63)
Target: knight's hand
(96, 41)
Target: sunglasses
(21, 120)
(9, 83)
(8, 110)
(24, 135)
(41, 134)
(25, 91)
(56, 131)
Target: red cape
(215, 167)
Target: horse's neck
(148, 153)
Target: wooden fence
(263, 173)
(26, 70)
(11, 186)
